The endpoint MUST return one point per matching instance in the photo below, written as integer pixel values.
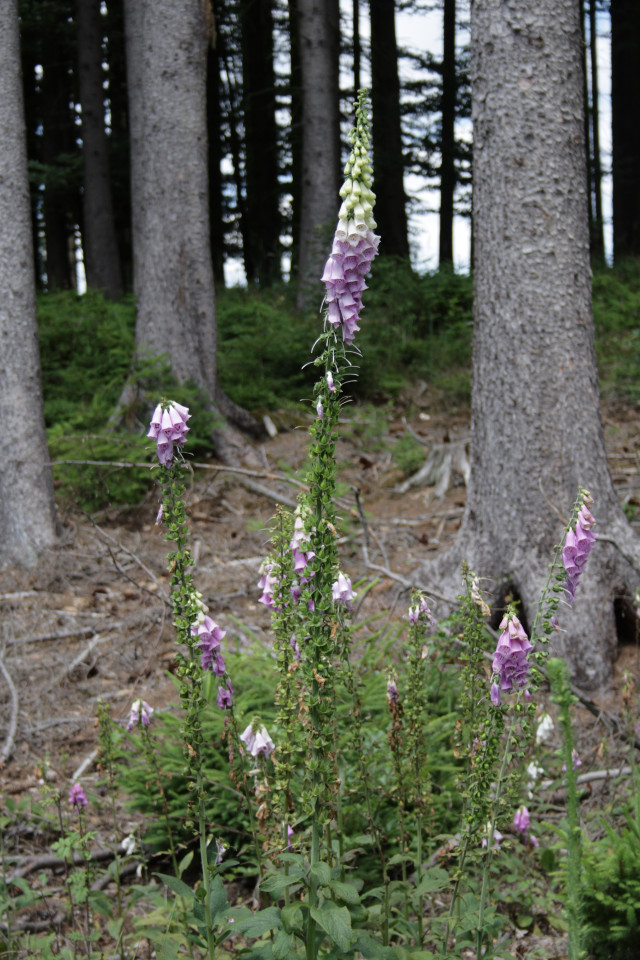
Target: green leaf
(167, 949)
(178, 886)
(184, 863)
(370, 948)
(217, 897)
(548, 860)
(524, 920)
(291, 916)
(282, 945)
(434, 879)
(260, 923)
(276, 883)
(336, 923)
(323, 873)
(344, 891)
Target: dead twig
(13, 719)
(86, 763)
(56, 635)
(95, 640)
(137, 559)
(49, 862)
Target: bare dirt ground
(94, 621)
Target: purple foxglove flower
(164, 450)
(300, 536)
(290, 835)
(510, 662)
(141, 713)
(257, 740)
(522, 820)
(355, 244)
(209, 635)
(224, 699)
(168, 426)
(220, 847)
(575, 761)
(217, 666)
(77, 797)
(160, 514)
(330, 383)
(342, 590)
(497, 838)
(154, 426)
(319, 409)
(299, 561)
(577, 547)
(495, 694)
(295, 648)
(392, 692)
(268, 583)
(414, 613)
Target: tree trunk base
(590, 630)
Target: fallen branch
(57, 635)
(33, 926)
(13, 720)
(48, 862)
(86, 763)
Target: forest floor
(93, 620)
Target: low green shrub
(611, 887)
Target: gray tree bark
(101, 260)
(27, 507)
(536, 432)
(173, 275)
(320, 144)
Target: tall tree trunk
(625, 130)
(119, 139)
(27, 507)
(447, 143)
(295, 132)
(173, 276)
(261, 141)
(214, 121)
(597, 227)
(357, 47)
(388, 161)
(101, 258)
(57, 142)
(320, 144)
(536, 432)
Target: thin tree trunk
(357, 47)
(295, 133)
(625, 96)
(597, 234)
(27, 507)
(56, 141)
(388, 161)
(101, 259)
(214, 122)
(536, 432)
(119, 161)
(261, 139)
(320, 144)
(447, 146)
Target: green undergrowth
(414, 328)
(254, 671)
